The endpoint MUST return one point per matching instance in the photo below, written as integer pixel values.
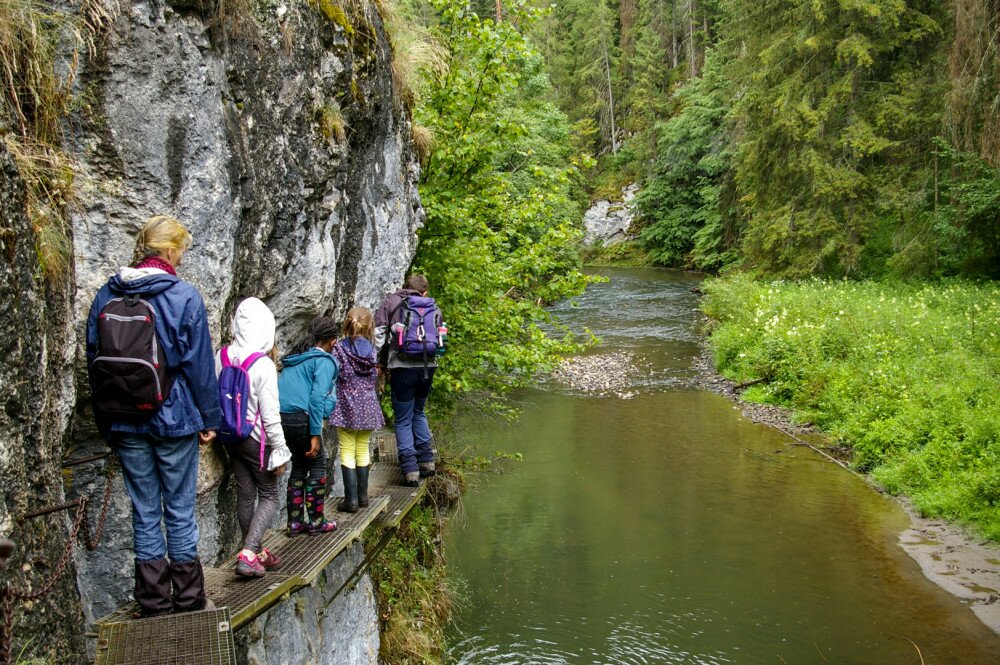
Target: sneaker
(323, 526)
(412, 479)
(426, 469)
(268, 559)
(249, 566)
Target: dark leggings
(256, 493)
(297, 437)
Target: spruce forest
(793, 138)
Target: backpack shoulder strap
(395, 310)
(224, 356)
(251, 359)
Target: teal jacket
(308, 384)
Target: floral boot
(295, 504)
(315, 504)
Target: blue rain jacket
(308, 384)
(182, 330)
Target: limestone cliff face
(275, 134)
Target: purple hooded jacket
(357, 400)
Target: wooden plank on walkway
(176, 639)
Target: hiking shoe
(249, 566)
(322, 526)
(270, 559)
(412, 479)
(426, 469)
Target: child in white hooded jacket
(257, 488)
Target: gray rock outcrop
(280, 141)
(608, 223)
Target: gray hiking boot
(426, 469)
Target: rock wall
(274, 133)
(608, 223)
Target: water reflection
(667, 529)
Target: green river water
(669, 529)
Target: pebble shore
(603, 375)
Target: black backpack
(128, 378)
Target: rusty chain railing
(8, 594)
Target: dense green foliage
(794, 137)
(907, 375)
(502, 233)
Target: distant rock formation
(608, 223)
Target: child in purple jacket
(358, 412)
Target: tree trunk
(692, 52)
(611, 102)
(673, 33)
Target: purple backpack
(234, 393)
(417, 337)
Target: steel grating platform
(204, 637)
(247, 598)
(383, 444)
(306, 556)
(387, 479)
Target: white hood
(253, 327)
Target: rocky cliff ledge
(271, 129)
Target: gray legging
(256, 492)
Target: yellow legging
(354, 446)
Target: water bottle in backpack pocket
(234, 393)
(129, 375)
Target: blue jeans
(413, 435)
(161, 477)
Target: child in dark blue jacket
(307, 391)
(158, 444)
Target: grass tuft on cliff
(40, 48)
(414, 601)
(905, 374)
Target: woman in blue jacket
(155, 394)
(307, 391)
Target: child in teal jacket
(307, 393)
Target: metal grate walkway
(198, 637)
(179, 639)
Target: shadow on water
(669, 529)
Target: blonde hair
(359, 323)
(159, 234)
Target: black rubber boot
(363, 486)
(189, 585)
(350, 502)
(152, 587)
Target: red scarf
(156, 262)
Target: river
(667, 528)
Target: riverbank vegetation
(502, 234)
(414, 600)
(906, 375)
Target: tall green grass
(906, 375)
